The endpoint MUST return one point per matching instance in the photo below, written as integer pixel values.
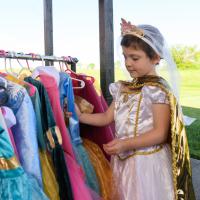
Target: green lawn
(189, 98)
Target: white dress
(147, 173)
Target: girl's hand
(114, 147)
(78, 112)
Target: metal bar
(48, 29)
(38, 57)
(106, 46)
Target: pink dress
(80, 190)
(144, 174)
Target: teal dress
(15, 184)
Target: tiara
(127, 28)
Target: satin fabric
(80, 191)
(140, 177)
(181, 167)
(33, 93)
(66, 91)
(14, 182)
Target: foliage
(186, 57)
(91, 66)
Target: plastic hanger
(69, 71)
(82, 83)
(24, 72)
(12, 72)
(6, 66)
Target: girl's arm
(158, 135)
(97, 119)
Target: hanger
(12, 72)
(24, 72)
(82, 83)
(42, 58)
(6, 66)
(69, 71)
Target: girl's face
(138, 63)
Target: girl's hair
(137, 43)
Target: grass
(193, 131)
(189, 98)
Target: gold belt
(141, 153)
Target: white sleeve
(156, 95)
(114, 89)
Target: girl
(150, 156)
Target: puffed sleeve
(155, 94)
(114, 89)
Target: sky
(76, 24)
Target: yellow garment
(181, 168)
(102, 168)
(24, 72)
(84, 105)
(51, 188)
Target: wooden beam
(106, 46)
(48, 29)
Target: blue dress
(15, 184)
(66, 92)
(24, 132)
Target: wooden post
(106, 46)
(48, 29)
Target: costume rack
(49, 60)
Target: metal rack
(32, 56)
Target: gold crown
(128, 29)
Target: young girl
(150, 155)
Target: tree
(91, 66)
(186, 57)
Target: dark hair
(137, 43)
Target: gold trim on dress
(144, 153)
(9, 163)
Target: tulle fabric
(102, 168)
(20, 187)
(80, 190)
(89, 171)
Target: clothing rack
(32, 56)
